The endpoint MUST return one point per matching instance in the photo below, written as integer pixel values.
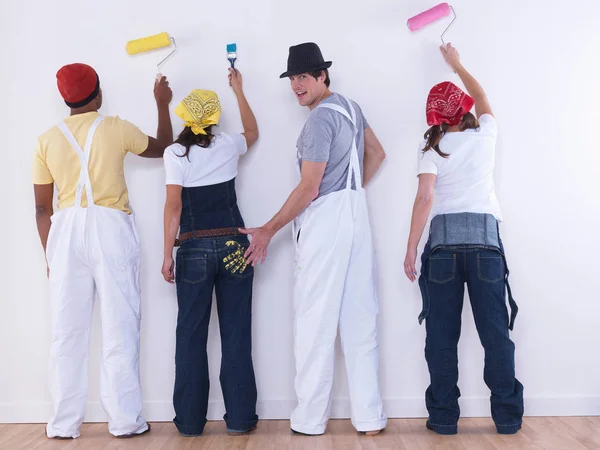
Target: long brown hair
(435, 134)
(187, 138)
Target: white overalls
(334, 285)
(94, 249)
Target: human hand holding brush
(474, 89)
(235, 81)
(164, 133)
(246, 114)
(162, 92)
(451, 56)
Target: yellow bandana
(199, 110)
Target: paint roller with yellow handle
(152, 43)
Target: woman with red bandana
(456, 162)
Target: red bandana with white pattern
(447, 103)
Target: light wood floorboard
(538, 433)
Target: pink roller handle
(426, 17)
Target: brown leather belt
(215, 232)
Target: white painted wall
(538, 61)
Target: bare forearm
(248, 118)
(421, 210)
(172, 217)
(164, 133)
(371, 165)
(42, 218)
(472, 86)
(297, 202)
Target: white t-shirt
(465, 181)
(206, 166)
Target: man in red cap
(92, 246)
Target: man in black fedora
(334, 279)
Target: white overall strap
(354, 164)
(354, 160)
(84, 158)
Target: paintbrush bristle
(231, 50)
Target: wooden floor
(569, 433)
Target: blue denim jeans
(444, 274)
(204, 265)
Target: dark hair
(435, 134)
(187, 138)
(317, 73)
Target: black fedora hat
(304, 58)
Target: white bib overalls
(94, 250)
(334, 286)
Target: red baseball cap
(78, 84)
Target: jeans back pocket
(442, 267)
(490, 267)
(235, 262)
(191, 268)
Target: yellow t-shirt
(55, 160)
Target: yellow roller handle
(148, 43)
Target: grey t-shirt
(327, 137)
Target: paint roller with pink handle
(431, 15)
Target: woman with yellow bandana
(201, 167)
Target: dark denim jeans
(203, 265)
(443, 277)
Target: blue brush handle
(232, 61)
